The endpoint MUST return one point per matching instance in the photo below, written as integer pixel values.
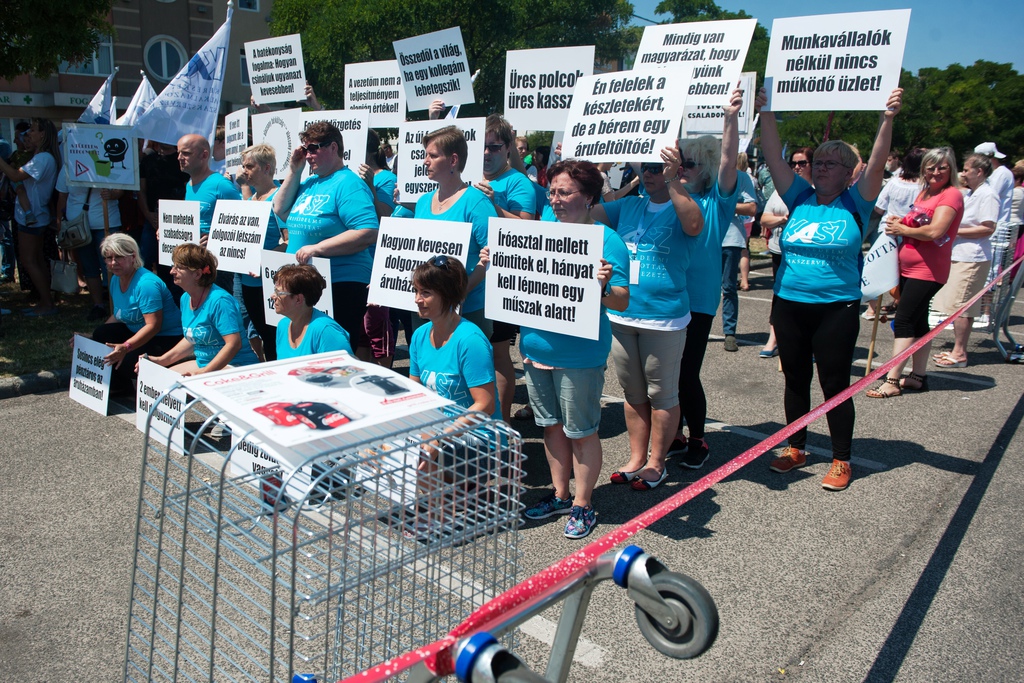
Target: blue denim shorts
(570, 397)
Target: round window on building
(164, 57)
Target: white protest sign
(153, 381)
(706, 119)
(627, 115)
(881, 268)
(835, 62)
(377, 88)
(280, 130)
(544, 275)
(403, 244)
(90, 376)
(273, 470)
(179, 224)
(276, 71)
(352, 124)
(237, 233)
(272, 261)
(412, 173)
(236, 139)
(434, 67)
(539, 85)
(101, 156)
(711, 52)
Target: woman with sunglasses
(210, 317)
(708, 170)
(331, 214)
(456, 200)
(305, 330)
(773, 220)
(816, 308)
(649, 336)
(565, 374)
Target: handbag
(64, 276)
(75, 234)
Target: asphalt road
(912, 574)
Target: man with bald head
(206, 187)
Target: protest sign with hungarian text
(377, 88)
(276, 71)
(434, 67)
(179, 224)
(539, 85)
(237, 233)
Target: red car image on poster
(313, 414)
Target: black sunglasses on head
(439, 261)
(314, 147)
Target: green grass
(31, 345)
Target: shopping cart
(247, 568)
(1004, 241)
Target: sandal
(948, 361)
(626, 477)
(640, 484)
(878, 393)
(921, 380)
(524, 413)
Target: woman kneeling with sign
(564, 374)
(305, 330)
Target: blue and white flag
(101, 109)
(141, 101)
(191, 101)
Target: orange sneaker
(791, 459)
(838, 478)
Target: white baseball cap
(989, 149)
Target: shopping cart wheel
(692, 606)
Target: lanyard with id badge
(632, 246)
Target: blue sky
(942, 32)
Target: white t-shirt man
(1001, 181)
(979, 206)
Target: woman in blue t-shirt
(210, 318)
(565, 374)
(816, 308)
(144, 319)
(648, 337)
(304, 330)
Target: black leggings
(693, 405)
(349, 310)
(911, 320)
(824, 335)
(257, 307)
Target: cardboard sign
(90, 376)
(403, 244)
(377, 88)
(412, 174)
(280, 130)
(154, 381)
(328, 396)
(276, 71)
(352, 124)
(433, 66)
(272, 261)
(237, 233)
(711, 52)
(835, 62)
(539, 85)
(544, 275)
(627, 115)
(179, 224)
(707, 119)
(236, 139)
(101, 156)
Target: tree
(339, 32)
(685, 11)
(36, 37)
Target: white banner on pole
(712, 52)
(881, 268)
(237, 233)
(101, 156)
(706, 119)
(90, 376)
(544, 275)
(153, 381)
(412, 173)
(377, 88)
(627, 115)
(434, 67)
(179, 224)
(835, 62)
(236, 139)
(272, 261)
(403, 244)
(353, 124)
(280, 130)
(539, 85)
(276, 71)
